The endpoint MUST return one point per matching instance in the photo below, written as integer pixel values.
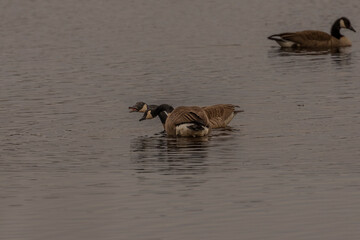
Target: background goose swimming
(316, 39)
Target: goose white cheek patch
(148, 115)
(342, 24)
(143, 109)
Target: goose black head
(139, 107)
(162, 111)
(345, 23)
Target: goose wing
(217, 122)
(306, 37)
(221, 114)
(183, 115)
(187, 115)
(220, 110)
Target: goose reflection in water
(310, 59)
(180, 156)
(170, 156)
(341, 53)
(342, 58)
(303, 51)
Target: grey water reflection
(312, 60)
(284, 52)
(341, 58)
(176, 156)
(182, 156)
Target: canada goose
(143, 107)
(316, 39)
(182, 121)
(220, 115)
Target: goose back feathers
(220, 115)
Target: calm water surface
(75, 164)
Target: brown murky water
(74, 164)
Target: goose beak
(352, 29)
(133, 109)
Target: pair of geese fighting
(188, 121)
(194, 121)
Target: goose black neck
(163, 116)
(335, 29)
(161, 108)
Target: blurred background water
(75, 164)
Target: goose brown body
(220, 115)
(314, 39)
(187, 114)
